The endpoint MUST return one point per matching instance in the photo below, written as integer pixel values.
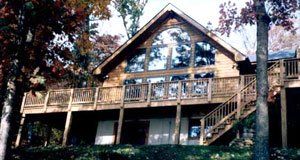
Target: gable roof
(154, 22)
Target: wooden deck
(188, 92)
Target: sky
(203, 11)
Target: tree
(28, 50)
(261, 13)
(130, 11)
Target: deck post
(209, 90)
(202, 130)
(178, 114)
(46, 101)
(19, 136)
(68, 120)
(282, 72)
(177, 124)
(67, 128)
(283, 117)
(149, 94)
(120, 125)
(96, 98)
(121, 116)
(239, 97)
(23, 102)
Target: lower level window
(194, 128)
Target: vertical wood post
(178, 114)
(121, 116)
(239, 97)
(282, 72)
(120, 125)
(177, 124)
(67, 128)
(46, 101)
(283, 117)
(149, 94)
(209, 90)
(96, 98)
(68, 120)
(23, 102)
(202, 130)
(19, 136)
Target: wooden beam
(177, 124)
(202, 130)
(46, 102)
(283, 117)
(67, 128)
(96, 98)
(120, 125)
(19, 136)
(23, 103)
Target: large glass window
(136, 63)
(181, 56)
(204, 54)
(172, 36)
(158, 58)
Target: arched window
(172, 39)
(204, 54)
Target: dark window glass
(172, 36)
(133, 81)
(181, 56)
(179, 77)
(194, 128)
(204, 75)
(136, 63)
(158, 58)
(204, 54)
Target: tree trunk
(7, 110)
(261, 146)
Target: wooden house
(173, 82)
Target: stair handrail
(234, 110)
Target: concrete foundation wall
(161, 131)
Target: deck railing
(204, 88)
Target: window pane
(194, 128)
(136, 63)
(133, 81)
(204, 54)
(179, 77)
(204, 75)
(172, 36)
(158, 58)
(181, 56)
(156, 79)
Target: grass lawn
(157, 152)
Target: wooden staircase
(236, 108)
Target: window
(133, 81)
(158, 58)
(194, 128)
(136, 63)
(204, 54)
(179, 77)
(172, 39)
(172, 36)
(181, 56)
(156, 79)
(204, 75)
